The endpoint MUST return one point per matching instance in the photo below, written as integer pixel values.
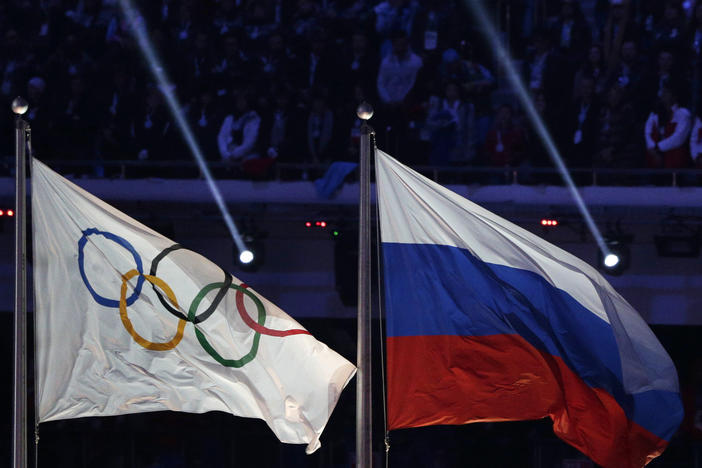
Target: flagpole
(19, 434)
(364, 446)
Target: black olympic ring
(215, 303)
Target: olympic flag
(488, 322)
(127, 321)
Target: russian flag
(488, 322)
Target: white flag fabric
(127, 321)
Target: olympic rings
(128, 323)
(119, 240)
(215, 303)
(258, 326)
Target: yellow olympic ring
(128, 324)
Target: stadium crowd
(617, 82)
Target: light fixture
(253, 256)
(616, 260)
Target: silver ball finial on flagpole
(364, 412)
(19, 105)
(364, 111)
(19, 417)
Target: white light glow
(611, 260)
(246, 256)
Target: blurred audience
(290, 74)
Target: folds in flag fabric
(488, 322)
(127, 321)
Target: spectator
(629, 71)
(276, 61)
(70, 60)
(667, 131)
(694, 47)
(615, 147)
(198, 63)
(279, 131)
(182, 24)
(152, 128)
(396, 81)
(317, 67)
(545, 72)
(594, 68)
(665, 73)
(505, 143)
(117, 106)
(227, 17)
(398, 72)
(694, 35)
(204, 115)
(450, 122)
(582, 125)
(669, 32)
(392, 16)
(320, 127)
(238, 134)
(536, 151)
(649, 13)
(619, 26)
(306, 18)
(13, 62)
(118, 102)
(38, 116)
(477, 82)
(571, 31)
(259, 23)
(696, 140)
(234, 68)
(76, 124)
(359, 66)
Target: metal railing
(477, 175)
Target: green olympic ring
(248, 357)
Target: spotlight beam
(518, 85)
(138, 27)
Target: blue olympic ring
(119, 240)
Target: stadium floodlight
(617, 259)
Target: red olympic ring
(260, 328)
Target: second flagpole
(19, 423)
(364, 446)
